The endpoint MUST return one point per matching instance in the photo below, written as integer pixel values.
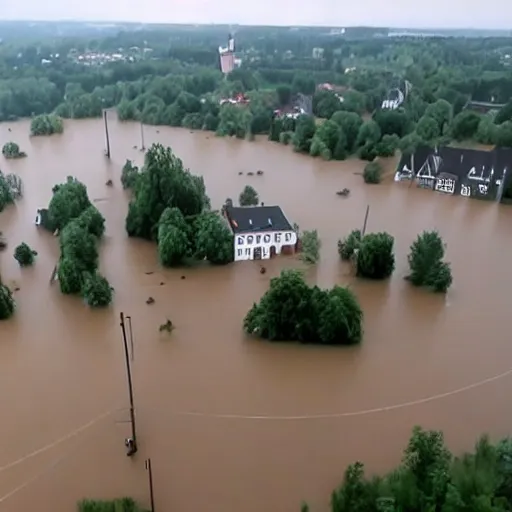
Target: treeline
(431, 479)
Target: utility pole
(105, 112)
(150, 477)
(142, 147)
(130, 442)
(365, 221)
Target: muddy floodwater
(233, 424)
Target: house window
(239, 252)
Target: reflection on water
(62, 365)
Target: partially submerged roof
(247, 219)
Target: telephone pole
(142, 147)
(365, 221)
(130, 442)
(150, 477)
(105, 112)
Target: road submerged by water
(231, 423)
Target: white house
(260, 232)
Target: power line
(49, 446)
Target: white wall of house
(245, 244)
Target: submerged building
(468, 172)
(260, 232)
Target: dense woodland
(171, 77)
(177, 82)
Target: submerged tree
(310, 246)
(92, 220)
(173, 238)
(292, 311)
(69, 200)
(129, 175)
(248, 197)
(24, 255)
(372, 172)
(96, 290)
(7, 304)
(214, 240)
(46, 124)
(426, 265)
(12, 150)
(349, 245)
(79, 246)
(163, 183)
(117, 505)
(70, 276)
(375, 258)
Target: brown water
(61, 365)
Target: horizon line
(274, 25)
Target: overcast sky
(394, 13)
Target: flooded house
(260, 232)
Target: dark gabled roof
(248, 219)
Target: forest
(172, 77)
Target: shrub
(372, 173)
(46, 124)
(248, 197)
(97, 291)
(70, 276)
(7, 304)
(24, 255)
(117, 505)
(375, 258)
(348, 246)
(129, 175)
(292, 311)
(310, 246)
(426, 265)
(12, 150)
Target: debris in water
(250, 173)
(345, 192)
(109, 183)
(263, 270)
(162, 283)
(168, 326)
(240, 173)
(259, 173)
(150, 300)
(149, 273)
(182, 277)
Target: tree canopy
(292, 311)
(431, 478)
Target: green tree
(369, 133)
(375, 257)
(305, 129)
(325, 140)
(392, 122)
(372, 173)
(248, 197)
(348, 246)
(6, 193)
(92, 220)
(504, 114)
(504, 135)
(350, 123)
(284, 94)
(79, 245)
(442, 112)
(409, 144)
(46, 124)
(7, 304)
(96, 290)
(214, 240)
(426, 265)
(310, 246)
(129, 175)
(68, 202)
(487, 131)
(387, 146)
(70, 276)
(428, 128)
(12, 150)
(465, 125)
(292, 311)
(24, 255)
(173, 238)
(163, 183)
